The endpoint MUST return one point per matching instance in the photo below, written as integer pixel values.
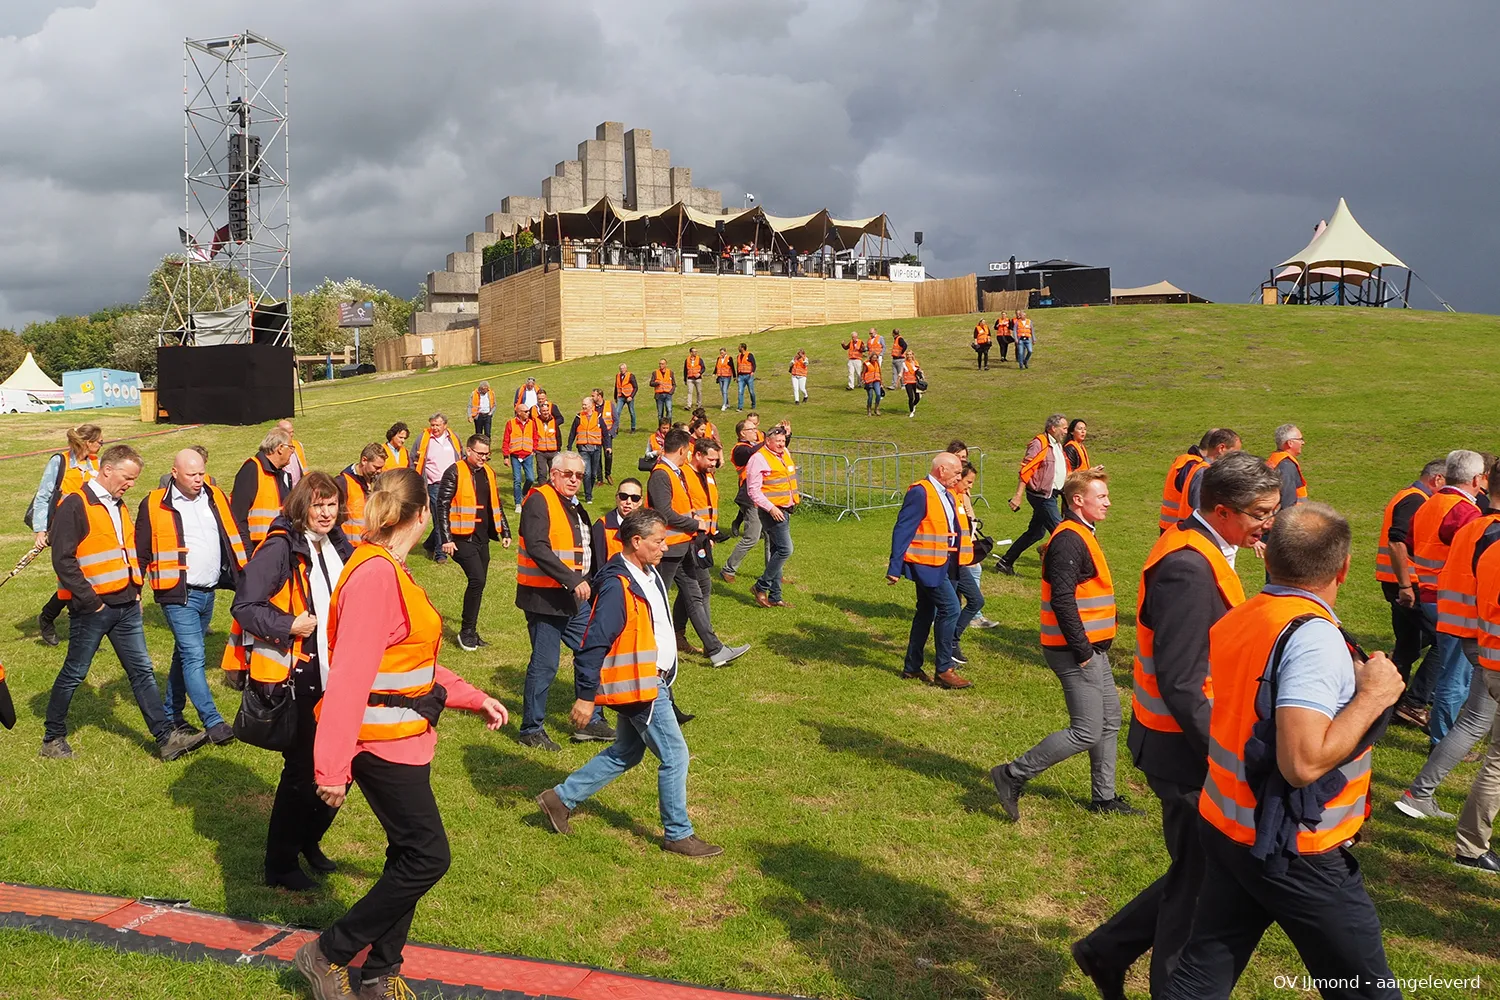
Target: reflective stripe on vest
(799, 366)
(965, 534)
(1428, 551)
(1487, 602)
(1095, 596)
(1083, 457)
(354, 506)
(1147, 704)
(1276, 458)
(623, 386)
(779, 484)
(630, 673)
(560, 538)
(1171, 493)
(703, 495)
(723, 366)
(1457, 605)
(108, 565)
(681, 504)
(168, 565)
(856, 348)
(520, 435)
(547, 431)
(463, 515)
(266, 505)
(694, 366)
(396, 458)
(590, 430)
(1385, 570)
(742, 364)
(933, 543)
(1030, 466)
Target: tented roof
(30, 377)
(1158, 290)
(803, 233)
(1343, 243)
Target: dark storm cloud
(1198, 142)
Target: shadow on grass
(96, 707)
(513, 780)
(824, 642)
(881, 935)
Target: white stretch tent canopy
(1343, 244)
(1162, 289)
(30, 378)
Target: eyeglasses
(632, 497)
(569, 474)
(483, 456)
(1258, 518)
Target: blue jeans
(621, 403)
(724, 383)
(778, 535)
(1044, 517)
(433, 545)
(873, 392)
(664, 407)
(1023, 352)
(549, 633)
(593, 458)
(189, 624)
(653, 729)
(747, 384)
(522, 471)
(937, 612)
(967, 586)
(1451, 689)
(128, 637)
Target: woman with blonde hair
(66, 472)
(383, 694)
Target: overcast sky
(1164, 138)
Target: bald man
(189, 547)
(925, 550)
(296, 466)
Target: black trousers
(483, 422)
(416, 858)
(54, 607)
(912, 396)
(609, 465)
(298, 817)
(982, 356)
(1005, 343)
(691, 604)
(1319, 901)
(1161, 915)
(1413, 634)
(1045, 516)
(472, 553)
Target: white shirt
(200, 536)
(322, 590)
(947, 501)
(486, 402)
(661, 618)
(528, 398)
(294, 470)
(586, 541)
(1224, 547)
(112, 505)
(1059, 465)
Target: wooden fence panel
(1005, 302)
(947, 296)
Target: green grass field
(866, 856)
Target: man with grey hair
(1284, 461)
(1398, 581)
(924, 549)
(1043, 469)
(297, 465)
(261, 486)
(436, 451)
(482, 409)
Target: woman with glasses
(629, 496)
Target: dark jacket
(554, 421)
(448, 486)
(1065, 564)
(605, 437)
(538, 541)
(69, 526)
(243, 496)
(609, 520)
(913, 510)
(605, 625)
(229, 573)
(274, 562)
(659, 499)
(1291, 479)
(1181, 604)
(630, 380)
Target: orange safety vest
(108, 565)
(723, 366)
(522, 432)
(898, 350)
(1095, 596)
(562, 539)
(72, 477)
(1147, 705)
(629, 674)
(1030, 466)
(1275, 459)
(168, 565)
(742, 364)
(1385, 570)
(590, 429)
(426, 439)
(779, 484)
(1428, 551)
(694, 366)
(1242, 655)
(409, 668)
(1083, 458)
(547, 431)
(612, 546)
(1023, 329)
(871, 374)
(266, 662)
(608, 416)
(933, 543)
(981, 334)
(1174, 496)
(710, 430)
(681, 503)
(396, 458)
(1185, 508)
(856, 348)
(301, 455)
(760, 437)
(463, 515)
(1457, 603)
(1487, 606)
(665, 382)
(266, 505)
(703, 495)
(876, 345)
(909, 373)
(799, 366)
(355, 496)
(623, 386)
(474, 398)
(965, 533)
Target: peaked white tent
(29, 377)
(1343, 243)
(1343, 255)
(1159, 293)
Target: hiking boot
(178, 743)
(1008, 789)
(388, 987)
(597, 730)
(727, 654)
(184, 726)
(1117, 805)
(538, 739)
(555, 812)
(692, 847)
(1420, 808)
(328, 981)
(220, 734)
(57, 749)
(48, 628)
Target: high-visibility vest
(898, 348)
(355, 496)
(709, 430)
(1457, 604)
(665, 382)
(408, 668)
(909, 374)
(1385, 569)
(630, 674)
(623, 386)
(871, 374)
(1185, 508)
(965, 532)
(463, 515)
(799, 366)
(1030, 466)
(760, 436)
(562, 539)
(1487, 606)
(681, 503)
(779, 484)
(856, 348)
(1172, 493)
(522, 436)
(612, 545)
(301, 455)
(934, 542)
(1095, 596)
(267, 502)
(703, 495)
(1241, 658)
(1147, 705)
(743, 364)
(107, 564)
(607, 415)
(1023, 329)
(981, 334)
(521, 393)
(547, 431)
(590, 430)
(168, 565)
(723, 366)
(426, 439)
(474, 399)
(875, 344)
(1428, 551)
(1083, 457)
(1275, 459)
(265, 661)
(396, 458)
(693, 366)
(72, 477)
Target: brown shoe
(726, 576)
(391, 987)
(684, 646)
(692, 847)
(557, 814)
(761, 598)
(781, 604)
(920, 675)
(949, 679)
(1412, 715)
(328, 981)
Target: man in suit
(924, 549)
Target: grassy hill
(865, 854)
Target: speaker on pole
(919, 237)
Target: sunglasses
(633, 497)
(569, 474)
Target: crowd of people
(1251, 720)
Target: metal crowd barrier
(872, 481)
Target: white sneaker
(980, 621)
(913, 413)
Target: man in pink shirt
(434, 455)
(771, 482)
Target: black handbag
(268, 716)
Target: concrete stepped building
(621, 164)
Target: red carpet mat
(159, 927)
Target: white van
(21, 401)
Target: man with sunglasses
(473, 515)
(1188, 583)
(606, 531)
